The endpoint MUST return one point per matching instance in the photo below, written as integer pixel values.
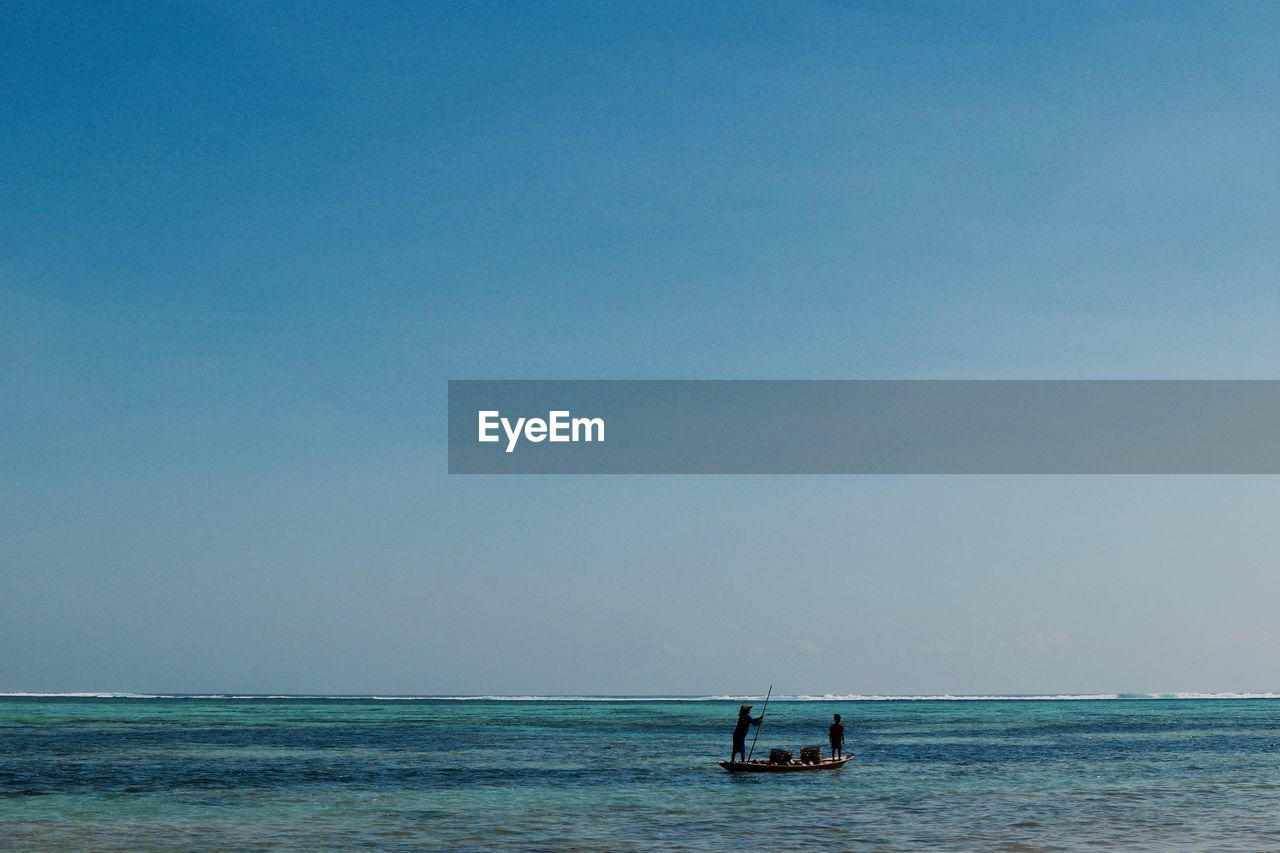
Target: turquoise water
(556, 775)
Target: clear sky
(244, 246)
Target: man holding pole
(745, 722)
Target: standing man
(836, 733)
(745, 722)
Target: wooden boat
(762, 766)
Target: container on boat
(779, 756)
(810, 755)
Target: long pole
(762, 710)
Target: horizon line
(587, 697)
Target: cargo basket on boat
(779, 756)
(810, 755)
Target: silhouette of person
(836, 733)
(745, 722)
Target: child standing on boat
(836, 733)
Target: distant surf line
(829, 697)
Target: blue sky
(245, 246)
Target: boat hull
(794, 767)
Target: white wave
(77, 695)
(825, 697)
(956, 697)
(863, 697)
(1212, 696)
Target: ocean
(108, 772)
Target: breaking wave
(826, 697)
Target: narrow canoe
(761, 766)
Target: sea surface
(110, 772)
